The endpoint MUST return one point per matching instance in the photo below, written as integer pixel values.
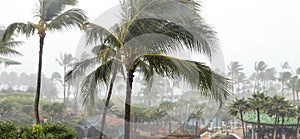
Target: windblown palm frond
(197, 74)
(166, 35)
(98, 77)
(97, 34)
(22, 28)
(6, 51)
(68, 19)
(49, 9)
(6, 48)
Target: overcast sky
(248, 30)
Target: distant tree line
(12, 82)
(284, 81)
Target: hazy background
(248, 30)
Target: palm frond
(80, 68)
(6, 51)
(11, 44)
(197, 74)
(96, 33)
(99, 77)
(170, 36)
(49, 9)
(68, 19)
(8, 61)
(22, 28)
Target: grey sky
(248, 30)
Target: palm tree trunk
(241, 114)
(38, 85)
(297, 128)
(170, 127)
(128, 103)
(107, 103)
(258, 124)
(196, 129)
(294, 96)
(275, 127)
(64, 84)
(297, 97)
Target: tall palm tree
(166, 106)
(198, 115)
(292, 84)
(284, 78)
(276, 104)
(298, 120)
(65, 61)
(239, 106)
(259, 68)
(234, 71)
(52, 16)
(137, 51)
(258, 104)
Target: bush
(11, 130)
(8, 129)
(59, 130)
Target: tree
(137, 51)
(53, 110)
(259, 67)
(53, 16)
(65, 61)
(284, 77)
(293, 84)
(276, 105)
(298, 120)
(198, 114)
(234, 71)
(239, 106)
(5, 108)
(164, 107)
(258, 104)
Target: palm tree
(258, 104)
(65, 61)
(198, 115)
(53, 16)
(234, 71)
(292, 84)
(166, 106)
(127, 38)
(298, 120)
(259, 68)
(276, 104)
(268, 76)
(284, 77)
(239, 106)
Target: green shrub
(8, 130)
(26, 132)
(37, 131)
(59, 131)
